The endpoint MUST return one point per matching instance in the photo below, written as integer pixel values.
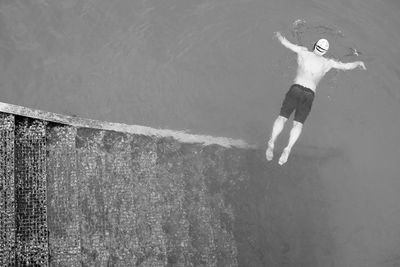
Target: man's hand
(278, 35)
(361, 65)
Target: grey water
(213, 67)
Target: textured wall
(86, 197)
(62, 192)
(7, 190)
(75, 196)
(30, 192)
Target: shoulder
(303, 49)
(332, 63)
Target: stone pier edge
(181, 136)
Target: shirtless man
(312, 66)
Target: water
(213, 67)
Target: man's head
(321, 47)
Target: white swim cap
(322, 45)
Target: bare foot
(284, 156)
(269, 154)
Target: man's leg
(276, 130)
(294, 135)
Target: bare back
(311, 68)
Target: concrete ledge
(120, 127)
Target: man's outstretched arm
(346, 66)
(286, 43)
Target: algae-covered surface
(92, 197)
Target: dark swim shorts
(298, 98)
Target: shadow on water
(282, 212)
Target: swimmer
(312, 66)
